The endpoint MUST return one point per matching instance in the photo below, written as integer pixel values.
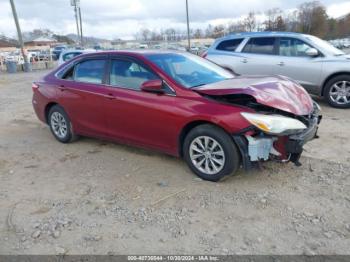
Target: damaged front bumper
(262, 147)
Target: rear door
(258, 57)
(83, 95)
(296, 64)
(225, 55)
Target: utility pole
(81, 28)
(20, 39)
(188, 27)
(76, 3)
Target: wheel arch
(331, 77)
(189, 126)
(47, 110)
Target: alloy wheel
(59, 125)
(340, 92)
(207, 155)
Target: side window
(229, 45)
(260, 45)
(90, 71)
(293, 47)
(68, 75)
(128, 74)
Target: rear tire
(337, 91)
(60, 125)
(210, 153)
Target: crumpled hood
(274, 91)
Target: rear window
(261, 45)
(229, 45)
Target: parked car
(69, 54)
(57, 50)
(180, 104)
(318, 66)
(44, 55)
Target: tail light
(204, 54)
(35, 86)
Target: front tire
(60, 125)
(337, 91)
(210, 153)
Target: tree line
(308, 18)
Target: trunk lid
(274, 91)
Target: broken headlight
(274, 124)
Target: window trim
(258, 37)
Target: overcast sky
(122, 18)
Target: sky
(111, 19)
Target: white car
(69, 54)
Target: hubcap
(59, 125)
(207, 155)
(340, 92)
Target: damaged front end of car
(282, 117)
(276, 136)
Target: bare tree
(218, 31)
(271, 21)
(198, 33)
(250, 22)
(313, 18)
(236, 27)
(146, 34)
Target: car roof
(83, 51)
(260, 34)
(137, 52)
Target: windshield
(189, 70)
(325, 46)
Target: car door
(139, 117)
(83, 95)
(258, 57)
(295, 63)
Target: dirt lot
(96, 197)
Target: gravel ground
(96, 197)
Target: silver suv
(318, 66)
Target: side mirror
(312, 52)
(153, 86)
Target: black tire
(328, 88)
(231, 155)
(67, 136)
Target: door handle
(61, 87)
(281, 64)
(245, 60)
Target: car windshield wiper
(198, 85)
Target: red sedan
(180, 104)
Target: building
(7, 44)
(41, 41)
